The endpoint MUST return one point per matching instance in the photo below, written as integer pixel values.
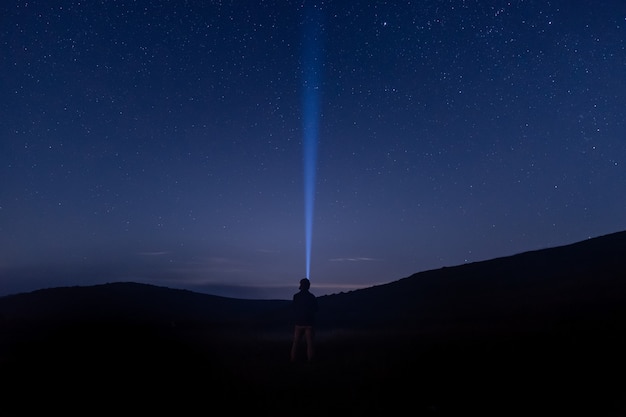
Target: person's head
(305, 284)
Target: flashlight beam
(311, 66)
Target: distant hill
(133, 303)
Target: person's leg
(309, 334)
(297, 334)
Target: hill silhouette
(538, 333)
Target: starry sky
(162, 142)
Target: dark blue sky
(162, 141)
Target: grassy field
(110, 367)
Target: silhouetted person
(304, 309)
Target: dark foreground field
(84, 369)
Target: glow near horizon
(311, 91)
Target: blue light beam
(311, 67)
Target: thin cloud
(360, 259)
(271, 251)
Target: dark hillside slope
(527, 290)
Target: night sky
(162, 142)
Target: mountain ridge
(536, 282)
